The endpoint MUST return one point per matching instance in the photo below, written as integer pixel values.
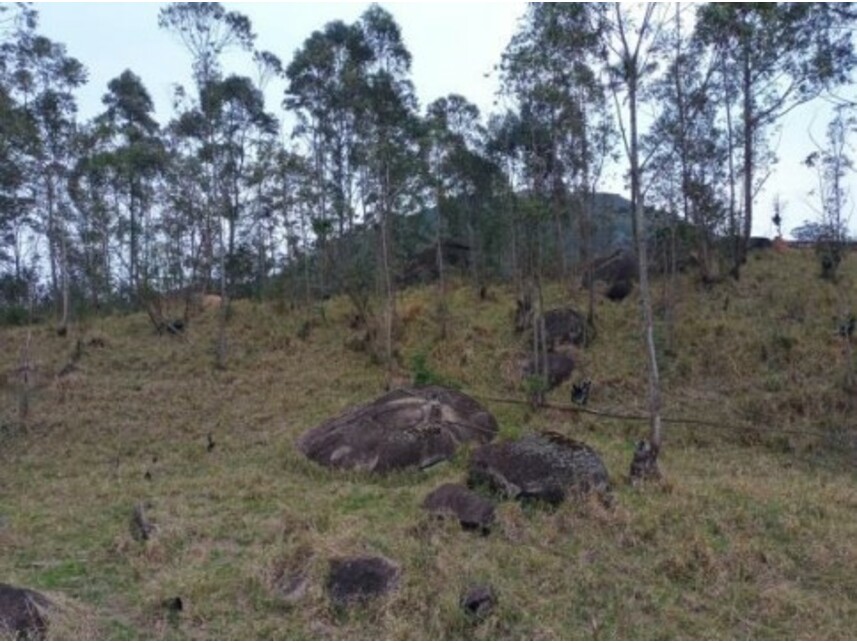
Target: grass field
(750, 535)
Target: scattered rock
(472, 510)
(292, 587)
(580, 392)
(358, 579)
(173, 604)
(478, 601)
(140, 527)
(97, 342)
(410, 427)
(644, 465)
(544, 466)
(23, 613)
(619, 290)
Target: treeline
(96, 214)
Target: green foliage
(423, 375)
(14, 316)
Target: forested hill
(227, 195)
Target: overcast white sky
(454, 47)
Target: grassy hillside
(751, 535)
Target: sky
(455, 46)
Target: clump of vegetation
(423, 375)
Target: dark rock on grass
(559, 368)
(619, 290)
(355, 580)
(472, 510)
(478, 601)
(22, 613)
(759, 243)
(644, 465)
(413, 427)
(544, 466)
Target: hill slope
(751, 535)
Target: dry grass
(750, 536)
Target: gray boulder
(472, 510)
(414, 427)
(544, 466)
(619, 266)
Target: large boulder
(559, 368)
(22, 613)
(562, 325)
(355, 580)
(621, 265)
(413, 427)
(544, 466)
(472, 510)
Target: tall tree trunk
(65, 281)
(221, 350)
(442, 311)
(748, 165)
(655, 431)
(389, 306)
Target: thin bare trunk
(442, 307)
(744, 234)
(221, 351)
(645, 462)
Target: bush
(14, 316)
(423, 375)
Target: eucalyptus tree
(136, 159)
(206, 30)
(328, 83)
(43, 80)
(236, 109)
(17, 145)
(780, 55)
(688, 144)
(633, 39)
(388, 151)
(551, 68)
(464, 181)
(89, 188)
(834, 166)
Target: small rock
(140, 527)
(174, 604)
(478, 601)
(22, 612)
(357, 579)
(644, 465)
(293, 587)
(472, 510)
